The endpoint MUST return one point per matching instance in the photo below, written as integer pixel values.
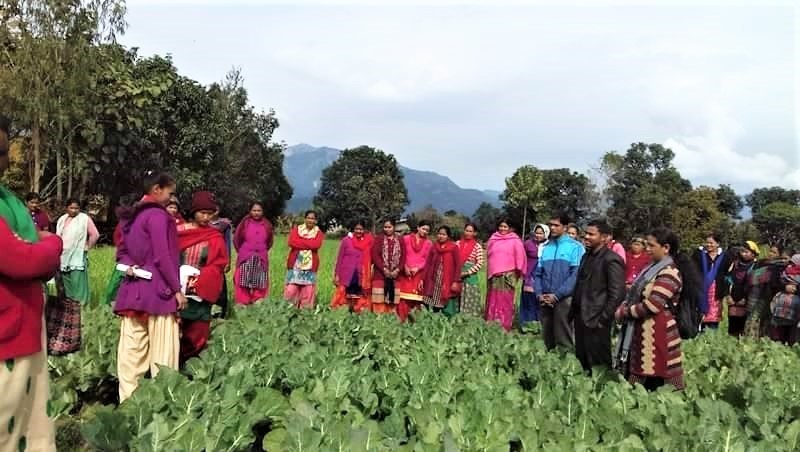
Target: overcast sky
(474, 91)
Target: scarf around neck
(16, 215)
(74, 236)
(465, 248)
(648, 274)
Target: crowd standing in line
(574, 283)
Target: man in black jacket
(599, 290)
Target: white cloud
(500, 86)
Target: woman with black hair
(442, 282)
(715, 266)
(649, 350)
(302, 265)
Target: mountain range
(303, 165)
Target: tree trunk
(524, 222)
(37, 155)
(60, 164)
(70, 166)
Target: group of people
(573, 285)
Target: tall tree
(50, 48)
(525, 194)
(569, 192)
(695, 215)
(779, 223)
(485, 217)
(427, 213)
(363, 183)
(762, 197)
(729, 202)
(642, 186)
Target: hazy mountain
(303, 167)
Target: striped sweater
(656, 344)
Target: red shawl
(209, 283)
(445, 255)
(465, 248)
(365, 246)
(297, 244)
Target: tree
(525, 193)
(779, 223)
(485, 217)
(642, 187)
(246, 165)
(427, 213)
(762, 197)
(455, 221)
(363, 183)
(568, 192)
(695, 215)
(45, 77)
(729, 202)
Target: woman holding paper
(202, 248)
(149, 330)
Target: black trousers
(223, 298)
(556, 325)
(736, 325)
(592, 345)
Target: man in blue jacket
(554, 283)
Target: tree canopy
(363, 183)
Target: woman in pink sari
(506, 264)
(252, 240)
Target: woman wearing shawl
(202, 247)
(30, 257)
(740, 286)
(764, 281)
(507, 263)
(387, 262)
(442, 282)
(714, 266)
(305, 241)
(353, 273)
(79, 234)
(636, 260)
(416, 248)
(786, 304)
(470, 262)
(649, 351)
(529, 305)
(63, 313)
(252, 240)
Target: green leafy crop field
(278, 379)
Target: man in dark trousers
(599, 290)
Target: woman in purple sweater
(149, 335)
(528, 305)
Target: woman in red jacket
(30, 257)
(202, 247)
(305, 241)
